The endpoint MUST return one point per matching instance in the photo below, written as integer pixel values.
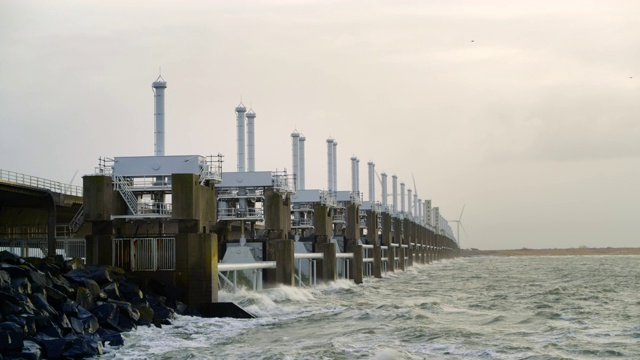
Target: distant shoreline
(552, 252)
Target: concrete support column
(423, 243)
(386, 239)
(372, 236)
(282, 252)
(372, 228)
(277, 211)
(402, 263)
(356, 265)
(377, 262)
(197, 268)
(353, 224)
(51, 225)
(428, 250)
(399, 238)
(322, 220)
(327, 265)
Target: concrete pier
(388, 241)
(185, 233)
(278, 247)
(372, 236)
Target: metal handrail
(247, 266)
(77, 221)
(344, 256)
(55, 186)
(297, 256)
(120, 184)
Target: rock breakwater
(56, 309)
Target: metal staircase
(77, 221)
(122, 186)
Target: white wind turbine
(459, 222)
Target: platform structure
(145, 182)
(241, 198)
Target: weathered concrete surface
(352, 233)
(356, 265)
(327, 265)
(277, 214)
(282, 252)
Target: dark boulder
(112, 290)
(45, 326)
(15, 271)
(42, 306)
(8, 307)
(130, 291)
(31, 351)
(84, 299)
(52, 347)
(94, 289)
(69, 308)
(146, 313)
(83, 347)
(126, 324)
(99, 274)
(36, 277)
(107, 315)
(11, 336)
(10, 258)
(21, 284)
(55, 297)
(127, 309)
(113, 337)
(85, 322)
(5, 279)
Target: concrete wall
(192, 201)
(277, 214)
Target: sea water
(584, 307)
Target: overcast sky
(522, 110)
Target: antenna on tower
(414, 184)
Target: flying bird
(472, 40)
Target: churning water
(487, 307)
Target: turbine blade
(463, 229)
(460, 218)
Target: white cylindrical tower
(394, 193)
(295, 151)
(427, 212)
(409, 206)
(354, 175)
(384, 191)
(335, 168)
(158, 90)
(372, 183)
(330, 166)
(301, 162)
(402, 198)
(251, 153)
(420, 211)
(436, 220)
(240, 111)
(415, 204)
(358, 176)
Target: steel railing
(122, 186)
(37, 247)
(144, 254)
(256, 267)
(40, 183)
